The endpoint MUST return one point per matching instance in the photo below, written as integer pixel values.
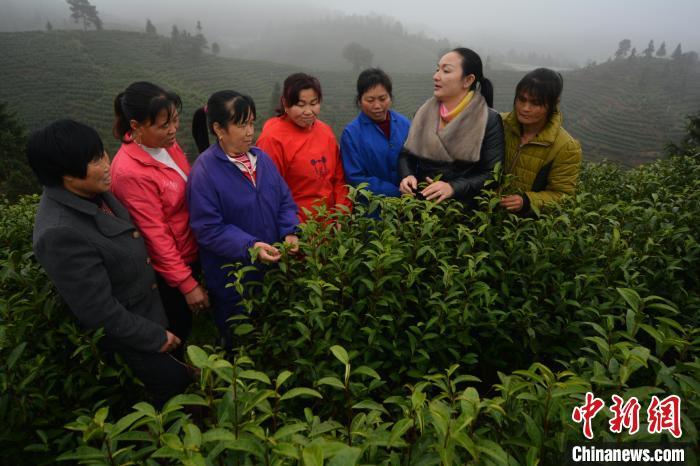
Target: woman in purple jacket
(237, 199)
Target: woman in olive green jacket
(543, 157)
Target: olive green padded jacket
(547, 167)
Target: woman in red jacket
(149, 176)
(304, 148)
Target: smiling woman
(237, 199)
(150, 173)
(304, 148)
(86, 243)
(543, 157)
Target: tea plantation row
(625, 110)
(428, 336)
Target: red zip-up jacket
(308, 160)
(154, 195)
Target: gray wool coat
(100, 267)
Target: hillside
(625, 111)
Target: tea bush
(415, 333)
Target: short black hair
(65, 147)
(293, 85)
(223, 107)
(142, 101)
(544, 86)
(370, 78)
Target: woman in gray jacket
(88, 246)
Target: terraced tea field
(624, 111)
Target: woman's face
(529, 110)
(305, 112)
(236, 138)
(160, 133)
(448, 81)
(97, 180)
(375, 103)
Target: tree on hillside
(82, 10)
(150, 28)
(661, 52)
(677, 53)
(174, 34)
(215, 48)
(359, 56)
(649, 51)
(623, 48)
(49, 26)
(16, 178)
(633, 53)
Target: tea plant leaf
(282, 377)
(312, 455)
(332, 381)
(368, 371)
(346, 456)
(255, 375)
(631, 297)
(290, 429)
(15, 355)
(340, 354)
(300, 391)
(218, 435)
(197, 355)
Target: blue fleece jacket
(368, 157)
(228, 214)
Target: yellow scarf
(449, 116)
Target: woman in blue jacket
(371, 143)
(237, 199)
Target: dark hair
(370, 78)
(142, 101)
(223, 107)
(471, 64)
(65, 147)
(293, 85)
(545, 87)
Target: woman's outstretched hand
(437, 191)
(170, 344)
(293, 242)
(197, 299)
(513, 203)
(266, 252)
(408, 185)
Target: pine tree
(83, 10)
(633, 53)
(623, 48)
(661, 52)
(150, 28)
(649, 51)
(215, 48)
(678, 53)
(49, 26)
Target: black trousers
(163, 374)
(179, 314)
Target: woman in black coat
(455, 135)
(85, 241)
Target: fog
(574, 32)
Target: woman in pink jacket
(149, 176)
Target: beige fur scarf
(459, 140)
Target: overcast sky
(582, 29)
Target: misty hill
(319, 44)
(624, 110)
